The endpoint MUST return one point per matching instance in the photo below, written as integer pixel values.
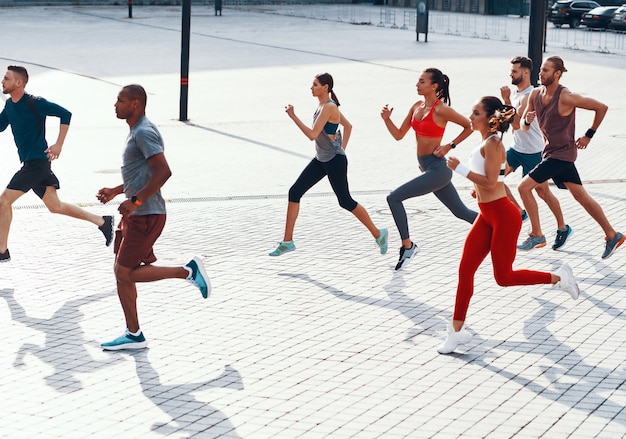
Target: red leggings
(495, 230)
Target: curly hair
(499, 116)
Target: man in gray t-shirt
(144, 171)
(143, 142)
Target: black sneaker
(561, 237)
(405, 255)
(107, 229)
(5, 257)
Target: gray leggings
(436, 179)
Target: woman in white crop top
(498, 224)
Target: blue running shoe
(561, 237)
(198, 276)
(524, 216)
(613, 244)
(532, 242)
(5, 257)
(283, 247)
(126, 341)
(382, 241)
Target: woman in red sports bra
(428, 118)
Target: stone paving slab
(327, 341)
(312, 344)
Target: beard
(547, 81)
(516, 81)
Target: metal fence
(494, 27)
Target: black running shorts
(36, 175)
(559, 171)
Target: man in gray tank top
(555, 106)
(526, 151)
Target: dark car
(618, 21)
(570, 12)
(598, 18)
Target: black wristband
(590, 133)
(452, 145)
(526, 123)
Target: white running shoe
(567, 282)
(454, 339)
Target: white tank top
(531, 141)
(477, 161)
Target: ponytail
(443, 84)
(327, 79)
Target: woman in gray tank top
(330, 160)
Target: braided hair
(327, 79)
(499, 115)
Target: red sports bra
(427, 127)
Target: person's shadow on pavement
(568, 371)
(188, 415)
(63, 339)
(426, 319)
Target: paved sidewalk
(327, 341)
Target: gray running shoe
(611, 245)
(533, 242)
(5, 257)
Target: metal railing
(500, 28)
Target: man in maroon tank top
(555, 106)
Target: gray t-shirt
(144, 141)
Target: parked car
(570, 12)
(618, 20)
(598, 18)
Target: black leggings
(337, 171)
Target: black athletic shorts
(559, 171)
(36, 175)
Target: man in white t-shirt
(526, 151)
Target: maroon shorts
(134, 239)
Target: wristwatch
(136, 201)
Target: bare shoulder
(493, 143)
(444, 110)
(416, 105)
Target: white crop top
(477, 162)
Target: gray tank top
(558, 130)
(326, 148)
